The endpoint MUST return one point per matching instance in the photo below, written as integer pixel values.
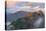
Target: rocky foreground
(32, 20)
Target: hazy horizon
(14, 8)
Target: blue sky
(12, 10)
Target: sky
(13, 6)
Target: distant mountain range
(13, 16)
